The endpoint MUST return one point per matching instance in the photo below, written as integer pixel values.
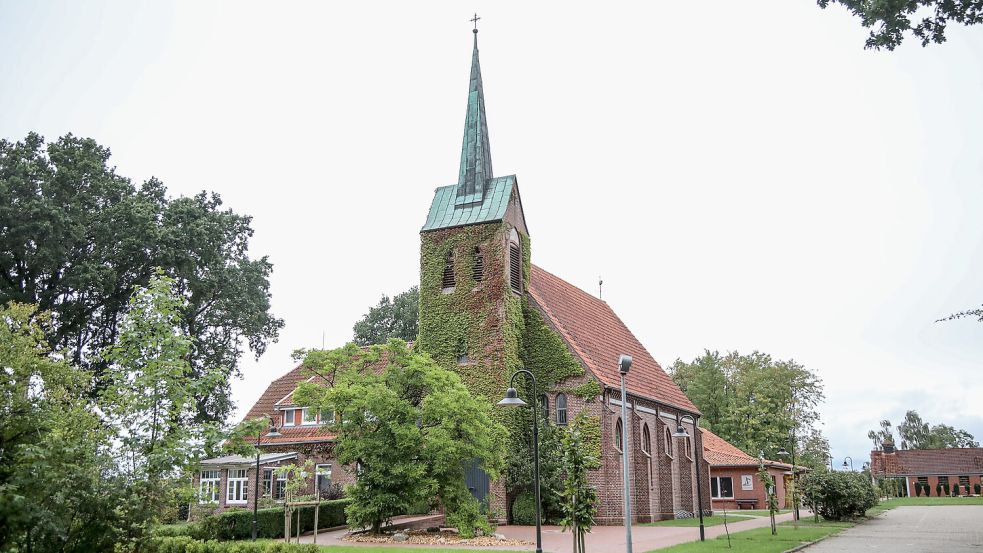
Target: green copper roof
(445, 212)
(476, 165)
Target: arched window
(668, 442)
(448, 282)
(646, 440)
(619, 435)
(515, 262)
(479, 265)
(561, 409)
(544, 406)
(689, 448)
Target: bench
(747, 503)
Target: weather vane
(475, 21)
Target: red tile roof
(598, 337)
(266, 406)
(915, 462)
(721, 453)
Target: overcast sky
(744, 175)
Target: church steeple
(476, 165)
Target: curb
(810, 544)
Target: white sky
(744, 175)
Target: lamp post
(511, 399)
(851, 463)
(795, 483)
(624, 365)
(681, 433)
(273, 433)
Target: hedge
(838, 495)
(238, 524)
(185, 544)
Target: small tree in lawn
(578, 499)
(770, 496)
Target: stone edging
(810, 544)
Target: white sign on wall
(747, 482)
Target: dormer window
(288, 418)
(448, 282)
(479, 265)
(310, 416)
(515, 263)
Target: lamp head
(845, 466)
(782, 451)
(511, 399)
(624, 364)
(680, 432)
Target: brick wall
(758, 489)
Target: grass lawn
(732, 517)
(923, 502)
(760, 540)
(707, 521)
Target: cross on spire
(475, 20)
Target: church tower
(474, 263)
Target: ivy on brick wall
(495, 327)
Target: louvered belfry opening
(515, 267)
(479, 265)
(448, 279)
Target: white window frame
(561, 412)
(715, 480)
(293, 417)
(319, 470)
(321, 419)
(237, 487)
(209, 486)
(305, 414)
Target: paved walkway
(602, 538)
(912, 530)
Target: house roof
(598, 336)
(721, 453)
(242, 460)
(266, 405)
(446, 212)
(914, 462)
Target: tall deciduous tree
(925, 19)
(408, 428)
(390, 318)
(918, 434)
(753, 401)
(76, 238)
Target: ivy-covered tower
(474, 263)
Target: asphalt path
(938, 529)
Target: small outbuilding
(734, 480)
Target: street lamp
(273, 433)
(795, 479)
(511, 399)
(851, 463)
(681, 433)
(624, 365)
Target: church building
(486, 311)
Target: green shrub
(918, 489)
(945, 489)
(955, 490)
(524, 510)
(938, 490)
(184, 544)
(238, 525)
(976, 489)
(838, 495)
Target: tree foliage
(976, 312)
(88, 471)
(408, 426)
(390, 318)
(76, 238)
(925, 19)
(918, 434)
(756, 402)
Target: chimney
(888, 447)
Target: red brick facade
(963, 466)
